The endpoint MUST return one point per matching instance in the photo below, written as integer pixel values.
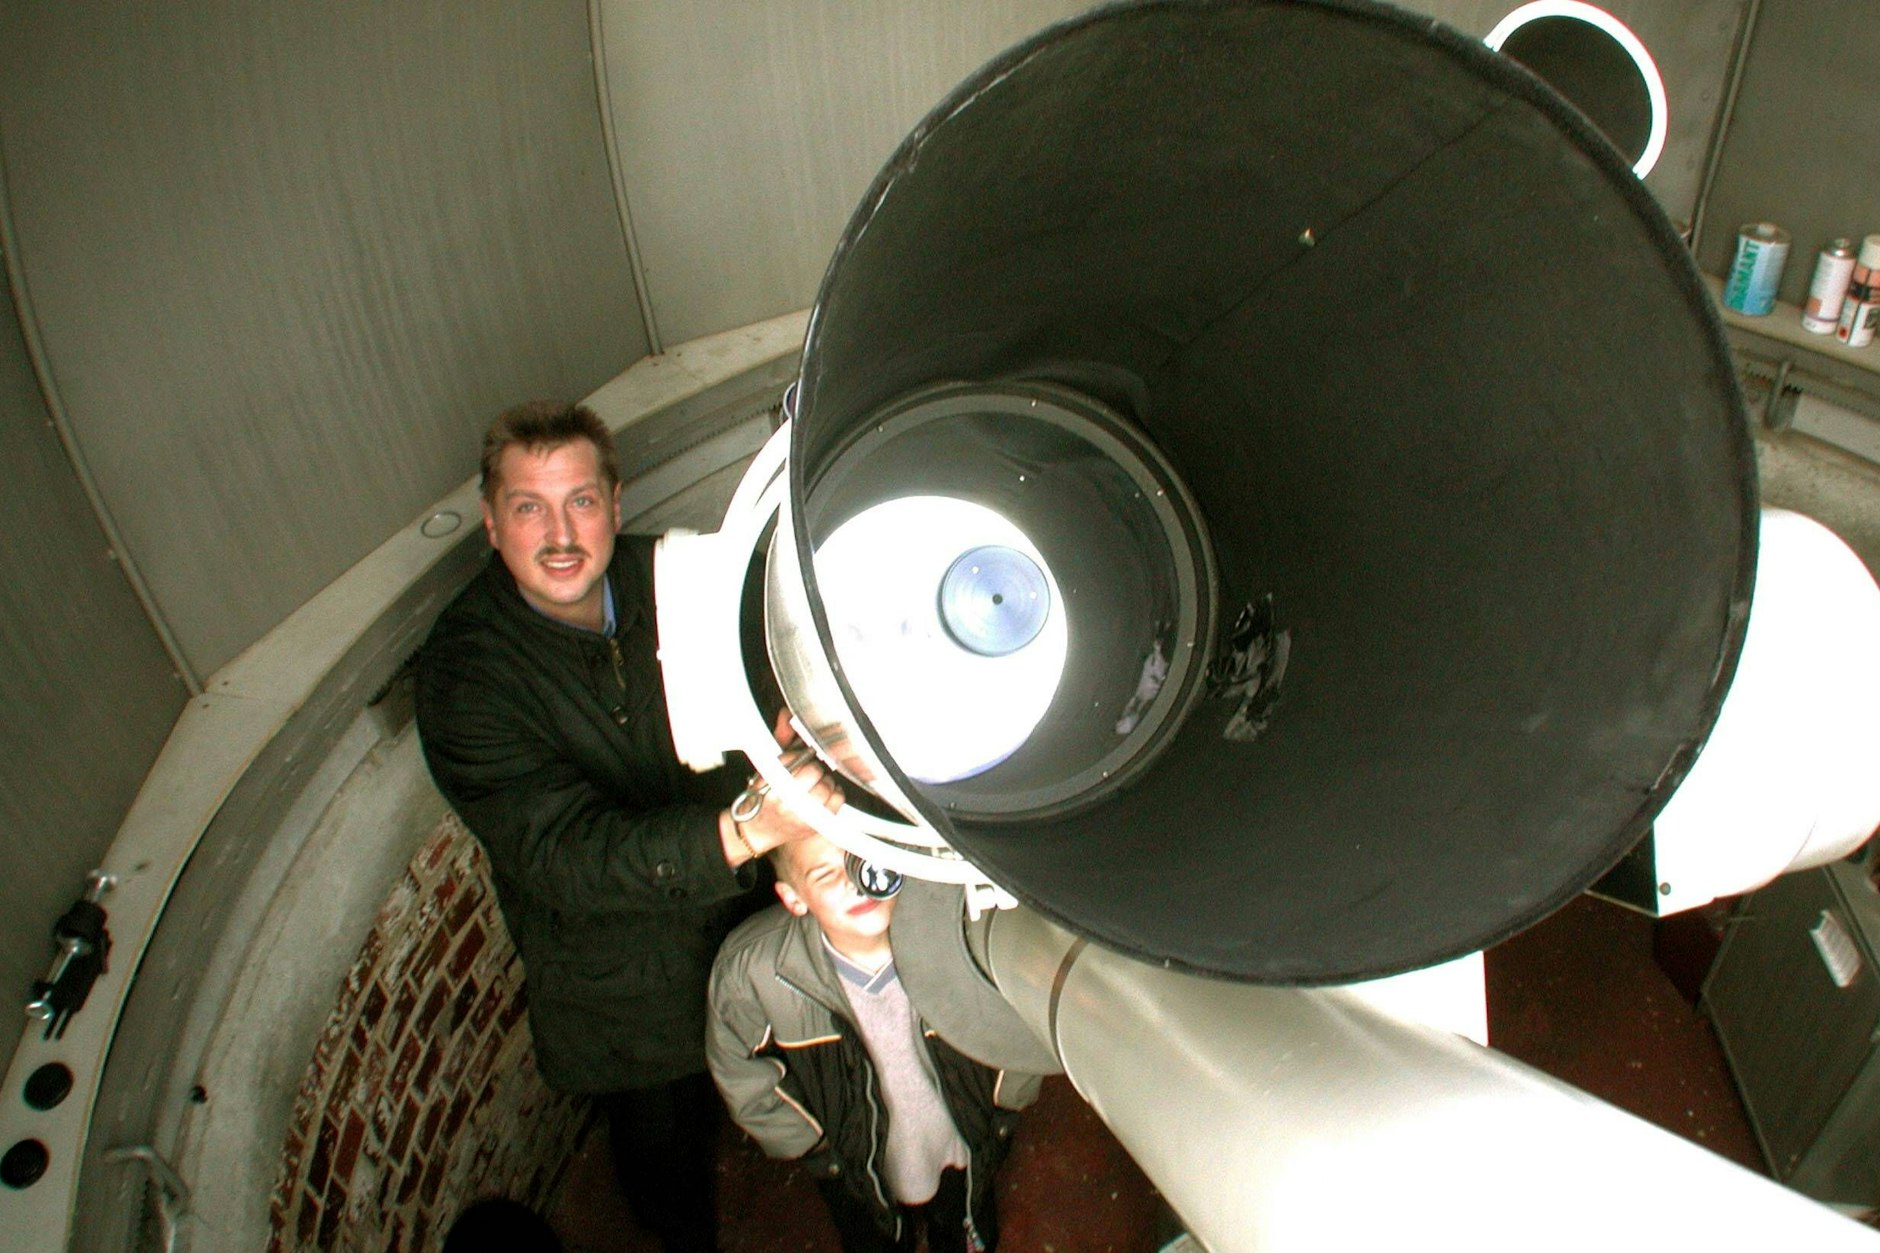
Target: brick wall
(422, 1094)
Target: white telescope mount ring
(699, 582)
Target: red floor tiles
(1582, 996)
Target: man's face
(553, 519)
(816, 881)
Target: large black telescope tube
(1357, 350)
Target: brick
(306, 1101)
(404, 1000)
(399, 1081)
(460, 1006)
(351, 988)
(486, 1056)
(370, 950)
(398, 941)
(518, 1005)
(382, 1200)
(492, 966)
(456, 1061)
(485, 1009)
(350, 1140)
(375, 1061)
(430, 957)
(420, 1228)
(446, 888)
(425, 908)
(463, 908)
(345, 1076)
(291, 1150)
(474, 938)
(384, 1117)
(332, 1210)
(427, 1069)
(427, 1132)
(459, 1106)
(362, 1206)
(433, 1176)
(319, 1165)
(408, 1183)
(330, 1042)
(307, 1220)
(433, 1006)
(372, 1006)
(395, 1236)
(401, 1136)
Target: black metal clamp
(84, 945)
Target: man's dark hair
(543, 425)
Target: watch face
(871, 880)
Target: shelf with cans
(1843, 291)
(1812, 367)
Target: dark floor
(1596, 995)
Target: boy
(820, 1056)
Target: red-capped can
(1834, 269)
(1860, 308)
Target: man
(821, 1057)
(618, 871)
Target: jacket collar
(803, 958)
(804, 961)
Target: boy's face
(814, 880)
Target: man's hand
(779, 820)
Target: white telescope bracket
(698, 605)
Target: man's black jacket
(551, 743)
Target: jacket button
(619, 713)
(664, 871)
(675, 893)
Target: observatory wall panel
(287, 262)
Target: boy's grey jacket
(796, 1075)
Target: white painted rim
(1620, 34)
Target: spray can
(1762, 249)
(1861, 306)
(1833, 268)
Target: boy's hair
(542, 425)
